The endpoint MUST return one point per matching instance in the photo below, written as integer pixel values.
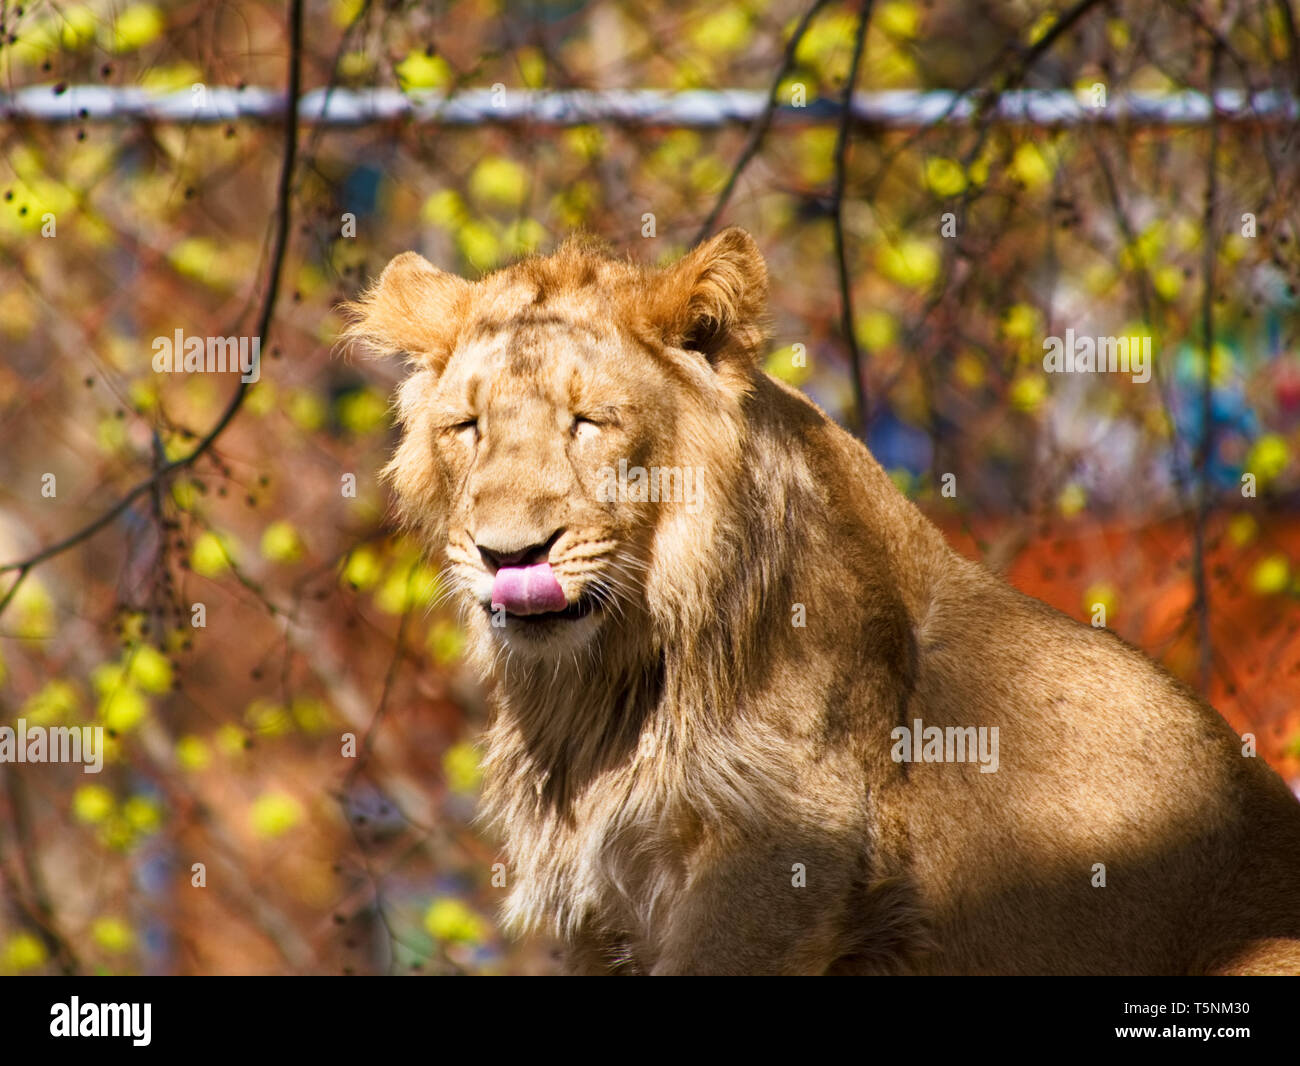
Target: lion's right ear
(714, 299)
(413, 308)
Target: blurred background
(926, 248)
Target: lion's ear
(714, 299)
(413, 308)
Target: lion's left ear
(714, 299)
(413, 309)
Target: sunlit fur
(660, 771)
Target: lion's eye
(583, 427)
(466, 427)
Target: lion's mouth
(580, 608)
(532, 594)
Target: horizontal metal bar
(895, 109)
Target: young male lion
(714, 630)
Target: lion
(775, 724)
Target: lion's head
(569, 424)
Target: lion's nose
(497, 554)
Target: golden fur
(686, 780)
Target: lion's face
(522, 428)
(556, 427)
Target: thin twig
(1205, 448)
(762, 124)
(40, 907)
(837, 217)
(279, 248)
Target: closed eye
(585, 427)
(600, 419)
(461, 426)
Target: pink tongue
(528, 589)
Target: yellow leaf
(1243, 529)
(34, 610)
(451, 921)
(77, 28)
(420, 71)
(1072, 500)
(586, 142)
(478, 243)
(1267, 458)
(1271, 575)
(944, 176)
(137, 26)
(1028, 392)
(969, 370)
(1021, 322)
(210, 555)
(268, 719)
(353, 66)
(446, 642)
(445, 208)
(363, 411)
(123, 709)
(1030, 166)
(174, 77)
(345, 12)
(149, 668)
(193, 753)
(781, 364)
(498, 180)
(106, 677)
(816, 154)
(262, 399)
(727, 29)
(1102, 595)
(230, 739)
(56, 703)
(307, 410)
(524, 235)
(1041, 26)
(408, 587)
(274, 814)
(281, 542)
(311, 714)
(112, 934)
(23, 951)
(899, 18)
(143, 813)
(461, 765)
(92, 804)
(363, 568)
(877, 329)
(911, 262)
(532, 67)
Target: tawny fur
(659, 781)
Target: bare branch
(279, 248)
(762, 124)
(847, 326)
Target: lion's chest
(601, 873)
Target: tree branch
(861, 414)
(279, 249)
(762, 124)
(1205, 447)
